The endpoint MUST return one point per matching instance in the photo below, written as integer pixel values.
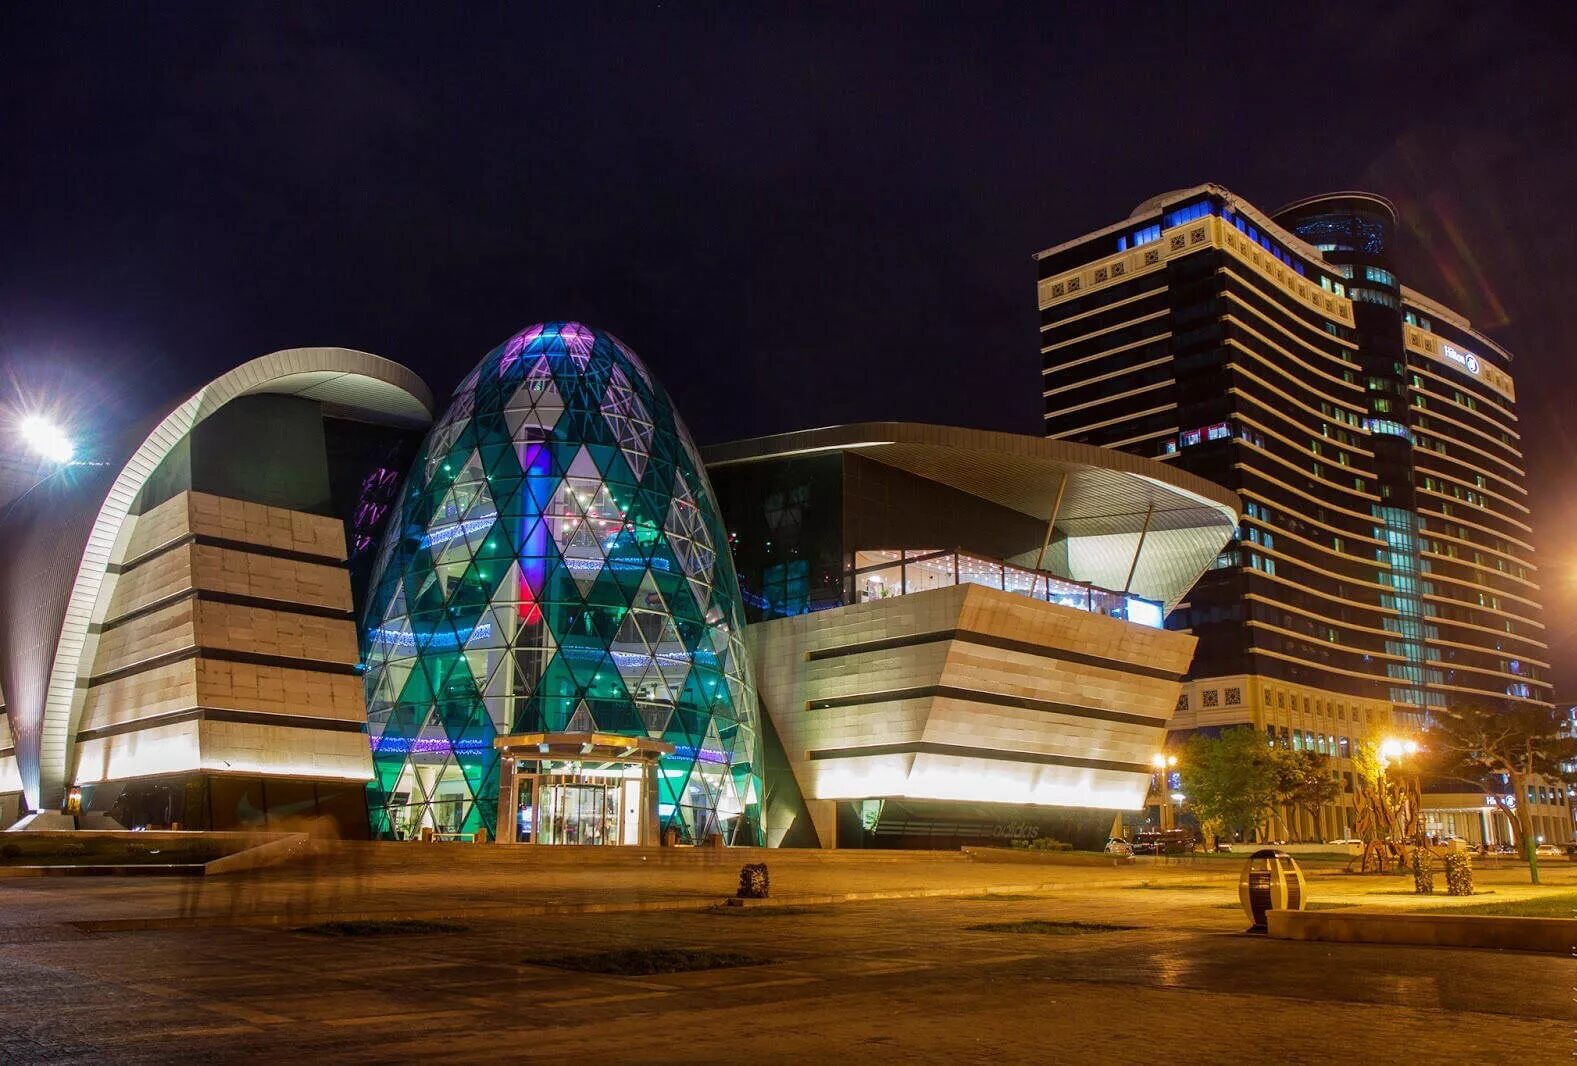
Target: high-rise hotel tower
(1384, 565)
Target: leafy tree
(1483, 746)
(1231, 779)
(1304, 781)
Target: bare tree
(1479, 745)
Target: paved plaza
(186, 969)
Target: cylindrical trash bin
(1271, 880)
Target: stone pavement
(874, 981)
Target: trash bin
(1271, 880)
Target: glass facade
(557, 565)
(891, 572)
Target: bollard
(1271, 880)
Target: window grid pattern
(558, 564)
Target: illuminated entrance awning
(587, 747)
(578, 788)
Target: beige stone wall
(169, 629)
(271, 632)
(239, 573)
(789, 681)
(150, 694)
(170, 521)
(274, 527)
(230, 747)
(288, 580)
(157, 579)
(280, 690)
(210, 684)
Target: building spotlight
(45, 439)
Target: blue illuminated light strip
(384, 637)
(710, 755)
(444, 534)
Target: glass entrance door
(572, 801)
(579, 813)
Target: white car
(1548, 851)
(1119, 847)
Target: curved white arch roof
(357, 383)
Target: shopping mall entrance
(578, 788)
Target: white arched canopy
(357, 383)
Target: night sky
(797, 217)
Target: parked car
(1119, 847)
(1548, 851)
(1224, 846)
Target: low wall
(1031, 856)
(1552, 935)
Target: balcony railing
(884, 572)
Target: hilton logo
(1467, 360)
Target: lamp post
(1163, 786)
(1407, 790)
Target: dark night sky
(798, 217)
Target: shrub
(1423, 872)
(1459, 874)
(1042, 844)
(753, 881)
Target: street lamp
(1163, 763)
(46, 439)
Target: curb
(693, 903)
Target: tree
(1484, 746)
(1304, 781)
(1387, 795)
(1231, 779)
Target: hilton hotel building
(1384, 567)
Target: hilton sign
(1466, 360)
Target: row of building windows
(1302, 740)
(1455, 551)
(1315, 705)
(1551, 796)
(1372, 296)
(1472, 536)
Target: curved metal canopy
(1121, 513)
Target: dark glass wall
(785, 527)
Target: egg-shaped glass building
(554, 639)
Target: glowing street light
(1161, 762)
(45, 439)
(1393, 750)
